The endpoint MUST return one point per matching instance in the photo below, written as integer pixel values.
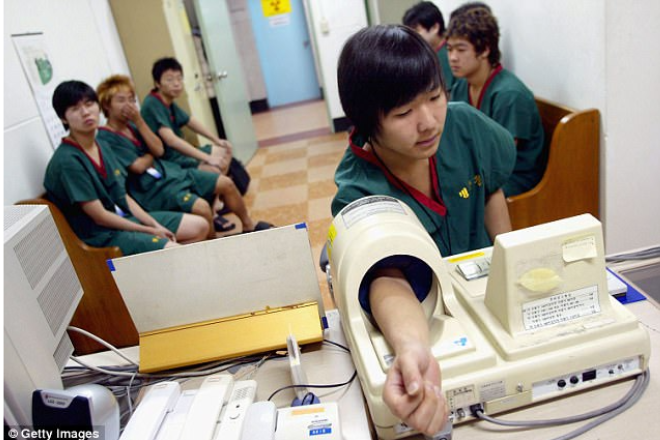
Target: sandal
(260, 226)
(221, 224)
(222, 211)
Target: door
(227, 76)
(285, 51)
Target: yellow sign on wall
(275, 7)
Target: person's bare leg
(233, 199)
(201, 208)
(193, 228)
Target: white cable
(102, 342)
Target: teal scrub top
(474, 159)
(165, 186)
(157, 114)
(72, 178)
(510, 103)
(443, 57)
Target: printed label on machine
(363, 208)
(461, 397)
(560, 308)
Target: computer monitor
(41, 293)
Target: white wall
(83, 44)
(343, 18)
(597, 54)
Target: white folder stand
(222, 298)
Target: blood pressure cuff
(417, 273)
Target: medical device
(540, 326)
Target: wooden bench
(102, 310)
(570, 183)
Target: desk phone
(216, 410)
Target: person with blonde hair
(83, 178)
(160, 184)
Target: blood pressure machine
(540, 326)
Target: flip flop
(260, 226)
(221, 224)
(222, 211)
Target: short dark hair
(425, 14)
(480, 28)
(467, 6)
(163, 65)
(69, 93)
(381, 68)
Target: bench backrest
(570, 183)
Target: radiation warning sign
(275, 7)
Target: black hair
(381, 68)
(425, 14)
(70, 93)
(163, 65)
(467, 6)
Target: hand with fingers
(412, 390)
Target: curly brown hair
(480, 28)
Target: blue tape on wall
(324, 322)
(302, 225)
(110, 265)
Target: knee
(202, 208)
(200, 227)
(225, 184)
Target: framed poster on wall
(42, 77)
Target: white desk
(333, 365)
(324, 364)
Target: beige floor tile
(318, 174)
(319, 209)
(321, 160)
(322, 188)
(337, 147)
(283, 215)
(283, 181)
(291, 119)
(287, 146)
(284, 167)
(278, 156)
(281, 197)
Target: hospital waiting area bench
(569, 185)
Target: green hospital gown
(511, 104)
(165, 185)
(157, 114)
(72, 179)
(474, 159)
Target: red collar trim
(99, 167)
(437, 205)
(134, 140)
(441, 45)
(492, 76)
(162, 101)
